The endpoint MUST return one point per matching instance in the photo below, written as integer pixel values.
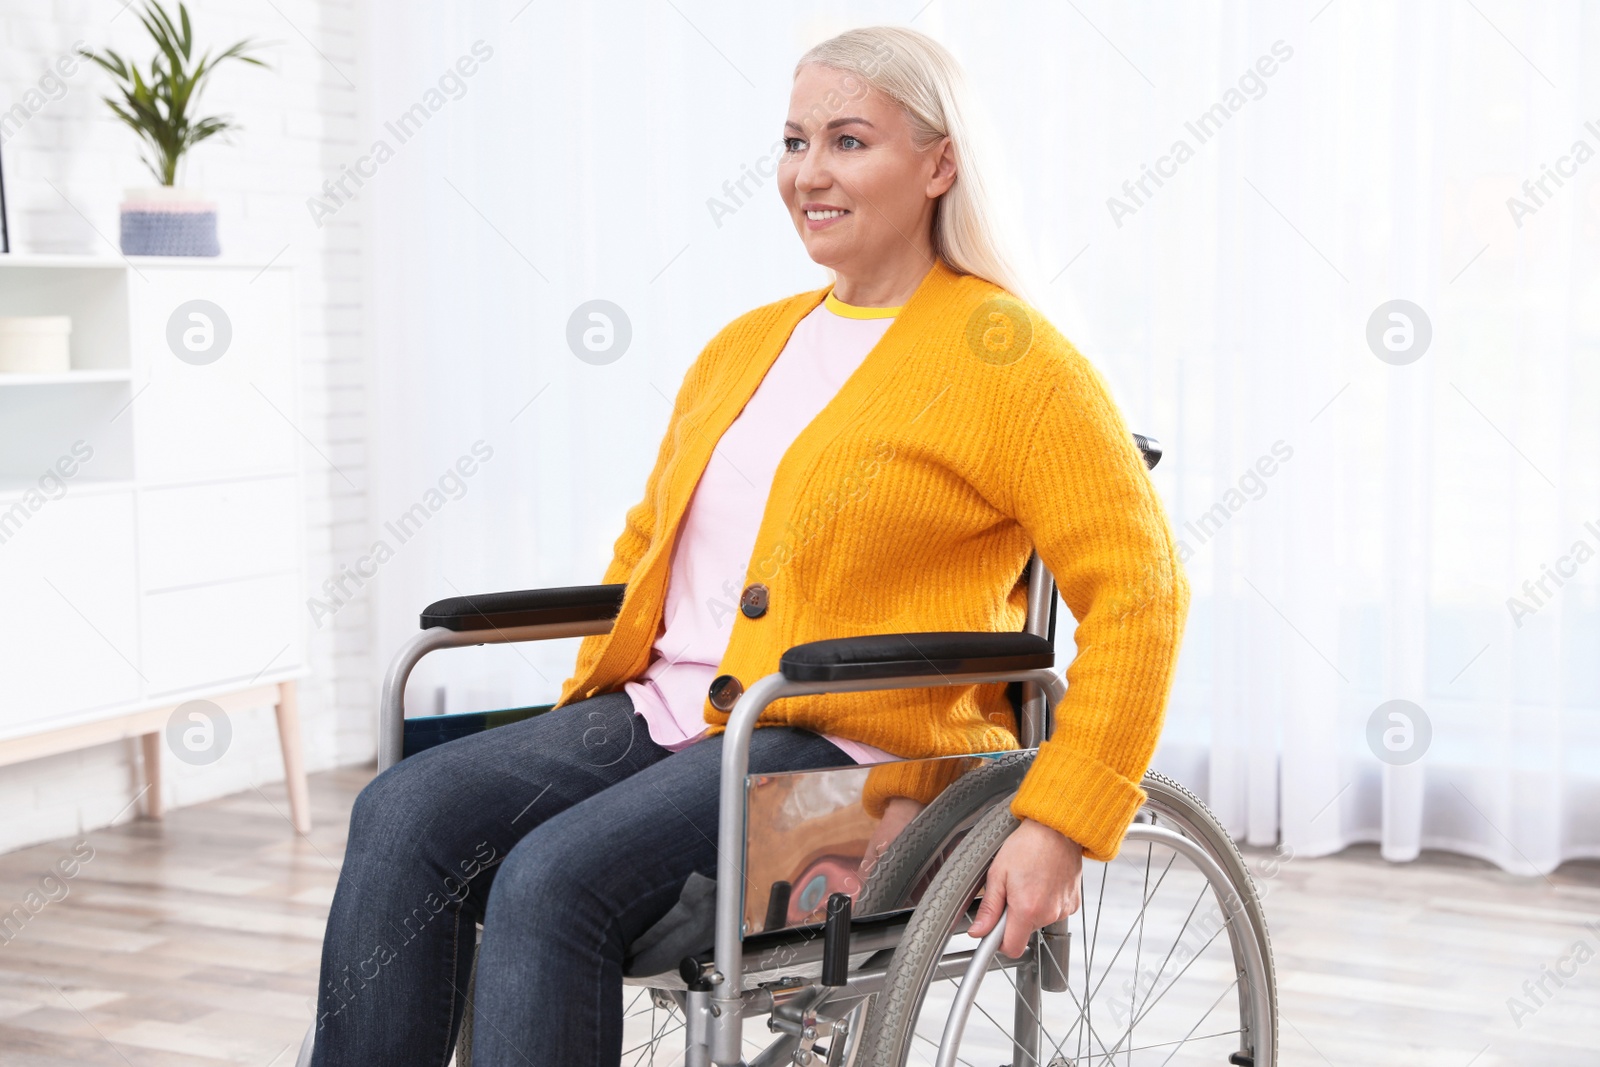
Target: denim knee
(390, 809)
(536, 881)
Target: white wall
(66, 162)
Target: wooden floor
(195, 942)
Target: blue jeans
(567, 835)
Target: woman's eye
(848, 137)
(790, 142)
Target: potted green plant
(159, 106)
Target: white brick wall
(299, 121)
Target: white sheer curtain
(1356, 525)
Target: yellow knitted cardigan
(972, 433)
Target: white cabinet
(228, 418)
(151, 499)
(218, 531)
(69, 625)
(222, 633)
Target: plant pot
(165, 220)
(35, 344)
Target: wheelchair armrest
(846, 659)
(491, 618)
(525, 607)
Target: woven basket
(168, 221)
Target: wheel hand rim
(950, 1042)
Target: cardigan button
(725, 691)
(754, 601)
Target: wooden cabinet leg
(294, 766)
(151, 744)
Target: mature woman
(878, 456)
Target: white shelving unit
(151, 528)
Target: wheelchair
(1173, 960)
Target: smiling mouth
(818, 216)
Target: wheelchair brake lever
(836, 941)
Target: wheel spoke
(935, 1045)
(671, 1023)
(1084, 1009)
(1151, 1003)
(1106, 1055)
(1164, 1044)
(1088, 963)
(1055, 1045)
(1144, 901)
(1239, 1032)
(1081, 1025)
(1138, 949)
(1080, 1019)
(1187, 919)
(952, 980)
(642, 1002)
(1079, 1029)
(1138, 921)
(667, 1028)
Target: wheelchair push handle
(1149, 448)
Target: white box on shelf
(35, 344)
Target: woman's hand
(897, 812)
(1035, 879)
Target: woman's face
(849, 155)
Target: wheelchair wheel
(1172, 962)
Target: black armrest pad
(525, 607)
(940, 652)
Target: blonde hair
(970, 233)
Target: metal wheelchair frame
(715, 1006)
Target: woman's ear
(944, 168)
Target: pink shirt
(718, 531)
